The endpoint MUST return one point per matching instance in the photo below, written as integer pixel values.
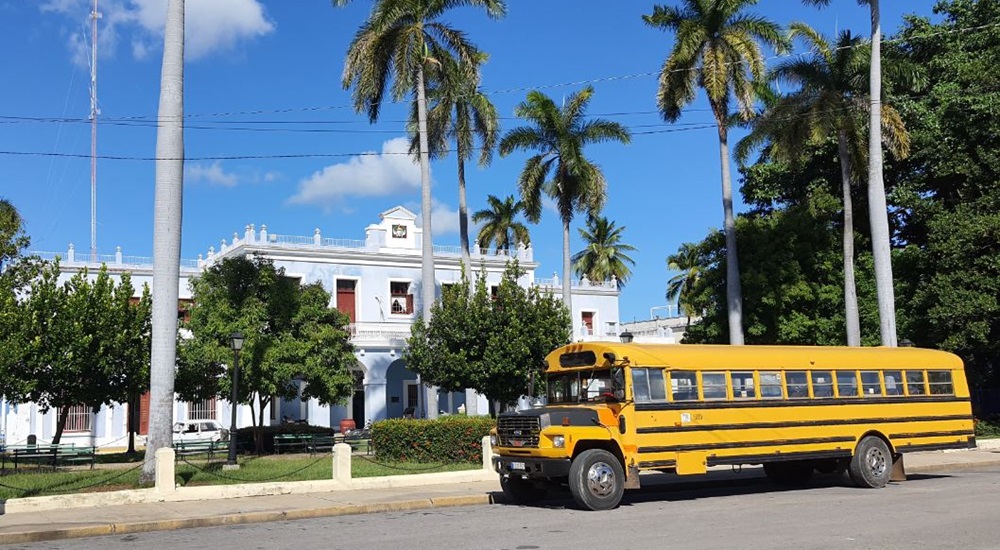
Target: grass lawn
(193, 472)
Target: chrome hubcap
(876, 462)
(601, 479)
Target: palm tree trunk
(734, 293)
(850, 289)
(567, 284)
(428, 284)
(166, 238)
(877, 209)
(463, 214)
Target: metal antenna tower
(94, 111)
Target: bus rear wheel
(789, 473)
(521, 491)
(596, 480)
(871, 465)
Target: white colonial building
(375, 281)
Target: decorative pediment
(398, 213)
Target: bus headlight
(558, 441)
(493, 440)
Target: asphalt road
(957, 509)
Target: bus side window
(797, 384)
(684, 386)
(713, 385)
(743, 387)
(871, 385)
(893, 382)
(847, 383)
(640, 385)
(770, 385)
(940, 382)
(822, 382)
(657, 388)
(915, 382)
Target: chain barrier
(403, 469)
(232, 478)
(41, 491)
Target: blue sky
(263, 80)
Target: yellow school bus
(614, 410)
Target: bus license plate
(516, 466)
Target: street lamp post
(626, 337)
(236, 342)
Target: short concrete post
(342, 462)
(317, 237)
(165, 475)
(71, 253)
(487, 454)
(118, 255)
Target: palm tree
(716, 48)
(166, 238)
(459, 111)
(831, 99)
(877, 208)
(680, 287)
(500, 225)
(11, 224)
(559, 137)
(605, 256)
(400, 39)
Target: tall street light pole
(236, 341)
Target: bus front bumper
(531, 466)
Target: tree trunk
(734, 293)
(877, 208)
(166, 238)
(567, 283)
(463, 215)
(61, 417)
(850, 289)
(428, 284)
(133, 408)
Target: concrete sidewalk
(53, 524)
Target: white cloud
(211, 26)
(444, 219)
(368, 175)
(212, 173)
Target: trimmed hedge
(455, 438)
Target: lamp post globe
(236, 342)
(626, 337)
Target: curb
(239, 519)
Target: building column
(375, 400)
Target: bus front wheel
(596, 480)
(871, 465)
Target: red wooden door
(345, 298)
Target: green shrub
(448, 439)
(988, 427)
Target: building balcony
(391, 335)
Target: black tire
(792, 473)
(596, 480)
(521, 491)
(871, 465)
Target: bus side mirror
(618, 383)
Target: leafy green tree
(680, 288)
(397, 43)
(605, 256)
(459, 111)
(559, 137)
(947, 192)
(830, 99)
(716, 47)
(87, 342)
(500, 226)
(290, 333)
(489, 343)
(13, 277)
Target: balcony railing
(72, 257)
(379, 333)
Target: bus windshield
(580, 386)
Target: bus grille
(518, 431)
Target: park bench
(321, 443)
(207, 447)
(359, 441)
(291, 442)
(48, 455)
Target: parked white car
(201, 430)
